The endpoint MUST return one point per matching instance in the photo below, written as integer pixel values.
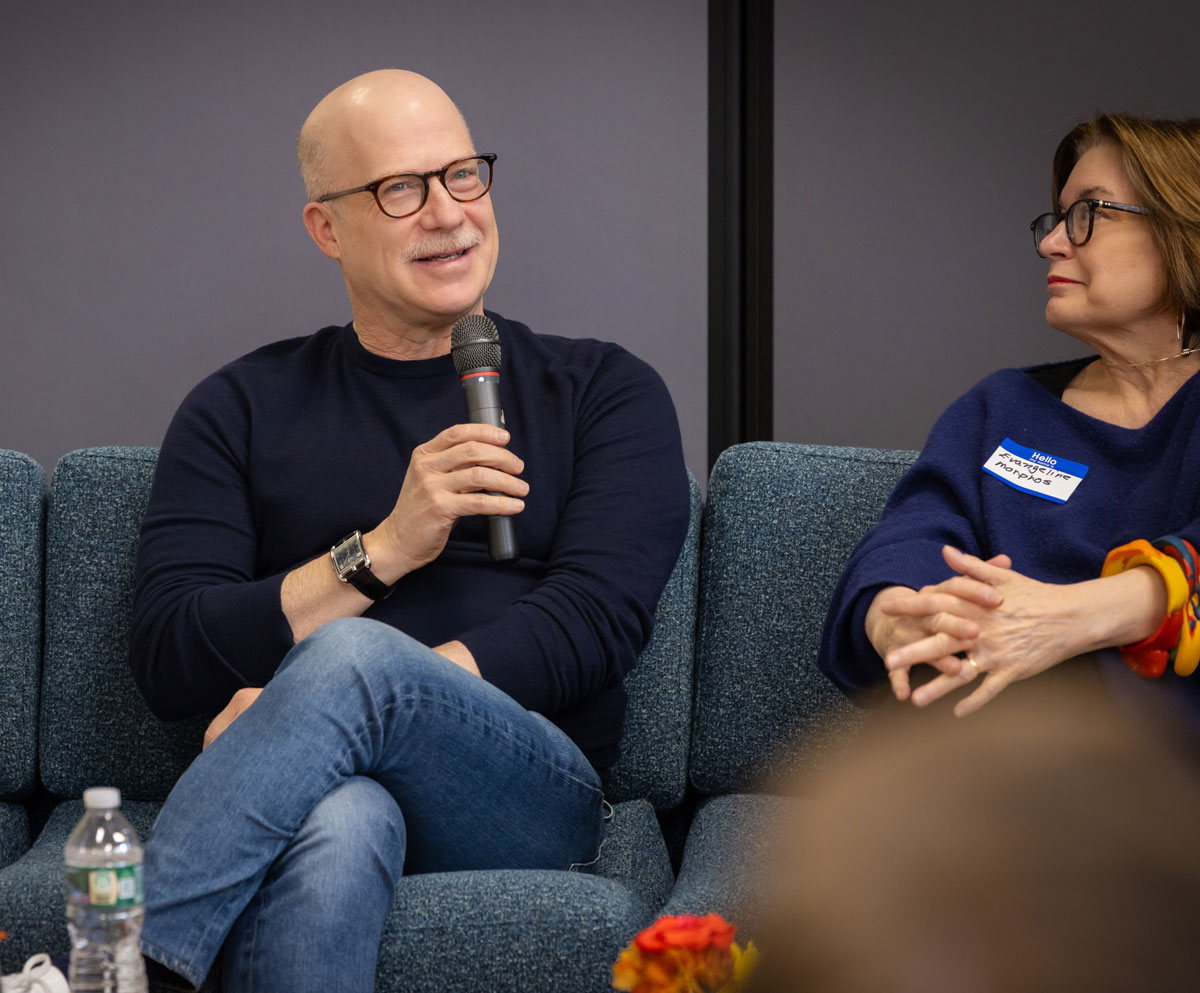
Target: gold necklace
(1165, 358)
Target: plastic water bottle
(104, 898)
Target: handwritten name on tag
(1036, 472)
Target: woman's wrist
(1119, 610)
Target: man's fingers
(477, 478)
(238, 705)
(215, 727)
(459, 434)
(469, 453)
(490, 505)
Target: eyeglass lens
(467, 179)
(1079, 224)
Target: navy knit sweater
(277, 456)
(1140, 483)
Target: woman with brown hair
(1054, 511)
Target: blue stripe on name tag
(1043, 458)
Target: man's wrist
(352, 564)
(387, 564)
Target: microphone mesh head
(475, 344)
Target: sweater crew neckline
(1035, 377)
(439, 365)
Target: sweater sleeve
(204, 625)
(617, 538)
(936, 503)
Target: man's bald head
(331, 136)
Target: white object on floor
(38, 976)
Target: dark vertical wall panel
(740, 222)
(152, 204)
(913, 146)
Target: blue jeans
(367, 755)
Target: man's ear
(318, 222)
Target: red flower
(686, 931)
(684, 954)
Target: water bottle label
(120, 887)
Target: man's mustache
(445, 245)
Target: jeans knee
(353, 647)
(355, 835)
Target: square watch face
(348, 556)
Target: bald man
(400, 704)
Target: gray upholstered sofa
(716, 700)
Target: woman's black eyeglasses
(1079, 217)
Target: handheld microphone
(475, 348)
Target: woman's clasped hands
(987, 623)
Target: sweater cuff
(503, 657)
(247, 626)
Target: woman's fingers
(946, 682)
(988, 689)
(945, 597)
(975, 567)
(937, 650)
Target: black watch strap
(353, 565)
(365, 582)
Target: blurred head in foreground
(1048, 846)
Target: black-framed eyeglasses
(405, 193)
(1079, 217)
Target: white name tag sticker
(1031, 470)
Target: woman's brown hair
(1162, 161)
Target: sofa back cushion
(22, 501)
(654, 745)
(779, 523)
(95, 728)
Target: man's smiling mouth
(444, 258)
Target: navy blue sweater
(1141, 483)
(277, 456)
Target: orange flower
(686, 931)
(684, 954)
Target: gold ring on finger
(974, 665)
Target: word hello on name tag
(1032, 471)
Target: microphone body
(483, 398)
(475, 347)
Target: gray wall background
(913, 147)
(151, 201)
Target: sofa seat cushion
(728, 863)
(32, 901)
(525, 930)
